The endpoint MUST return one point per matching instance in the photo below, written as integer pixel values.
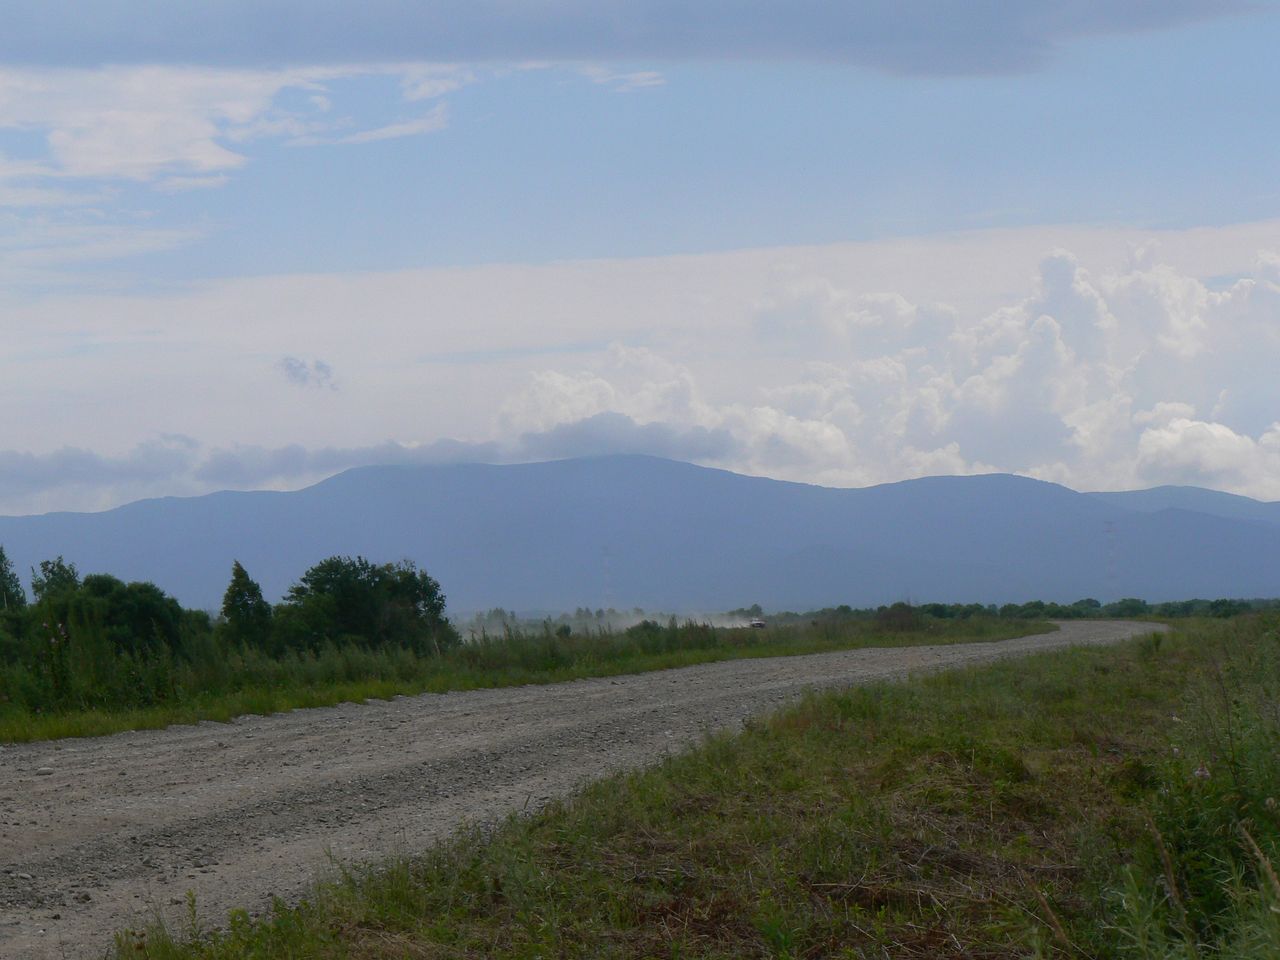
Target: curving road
(105, 833)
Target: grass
(256, 684)
(1047, 807)
(1050, 806)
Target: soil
(109, 833)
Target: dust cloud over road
(105, 833)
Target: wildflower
(1201, 772)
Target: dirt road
(100, 834)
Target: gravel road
(110, 832)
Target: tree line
(1087, 608)
(82, 642)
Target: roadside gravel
(107, 833)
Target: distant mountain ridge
(1197, 500)
(632, 530)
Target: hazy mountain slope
(639, 531)
(1196, 499)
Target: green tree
(247, 614)
(1128, 607)
(380, 604)
(414, 608)
(339, 597)
(55, 577)
(137, 617)
(12, 596)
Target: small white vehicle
(755, 623)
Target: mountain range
(637, 531)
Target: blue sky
(250, 244)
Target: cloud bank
(1103, 361)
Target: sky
(247, 245)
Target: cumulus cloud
(1207, 454)
(1093, 379)
(633, 380)
(868, 322)
(899, 36)
(1092, 375)
(611, 432)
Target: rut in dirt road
(101, 834)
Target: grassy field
(1089, 803)
(246, 681)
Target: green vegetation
(1094, 802)
(96, 655)
(99, 656)
(1087, 609)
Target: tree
(381, 604)
(136, 616)
(899, 618)
(55, 577)
(12, 596)
(1127, 607)
(339, 595)
(247, 614)
(414, 608)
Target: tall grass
(84, 687)
(1204, 882)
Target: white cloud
(1048, 386)
(1159, 301)
(172, 129)
(552, 397)
(1210, 454)
(1163, 412)
(428, 81)
(622, 81)
(183, 127)
(433, 121)
(886, 361)
(140, 123)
